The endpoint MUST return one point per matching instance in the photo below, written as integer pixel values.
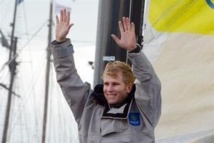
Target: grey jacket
(143, 112)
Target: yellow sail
(189, 16)
(179, 35)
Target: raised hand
(63, 25)
(127, 32)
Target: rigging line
(15, 56)
(50, 112)
(18, 118)
(23, 116)
(15, 119)
(40, 72)
(27, 99)
(35, 135)
(5, 75)
(44, 24)
(25, 21)
(56, 122)
(33, 87)
(57, 99)
(4, 86)
(50, 121)
(31, 68)
(37, 77)
(61, 119)
(61, 112)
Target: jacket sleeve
(148, 87)
(74, 90)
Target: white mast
(45, 115)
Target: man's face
(115, 90)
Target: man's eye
(115, 84)
(106, 83)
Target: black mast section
(109, 13)
(137, 16)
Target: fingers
(126, 23)
(69, 27)
(68, 16)
(61, 15)
(116, 39)
(121, 27)
(57, 20)
(64, 15)
(132, 27)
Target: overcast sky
(32, 32)
(34, 14)
(32, 20)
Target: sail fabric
(189, 16)
(178, 39)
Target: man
(118, 111)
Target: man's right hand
(63, 25)
(127, 39)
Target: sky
(32, 14)
(32, 32)
(32, 24)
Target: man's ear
(129, 88)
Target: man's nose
(110, 87)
